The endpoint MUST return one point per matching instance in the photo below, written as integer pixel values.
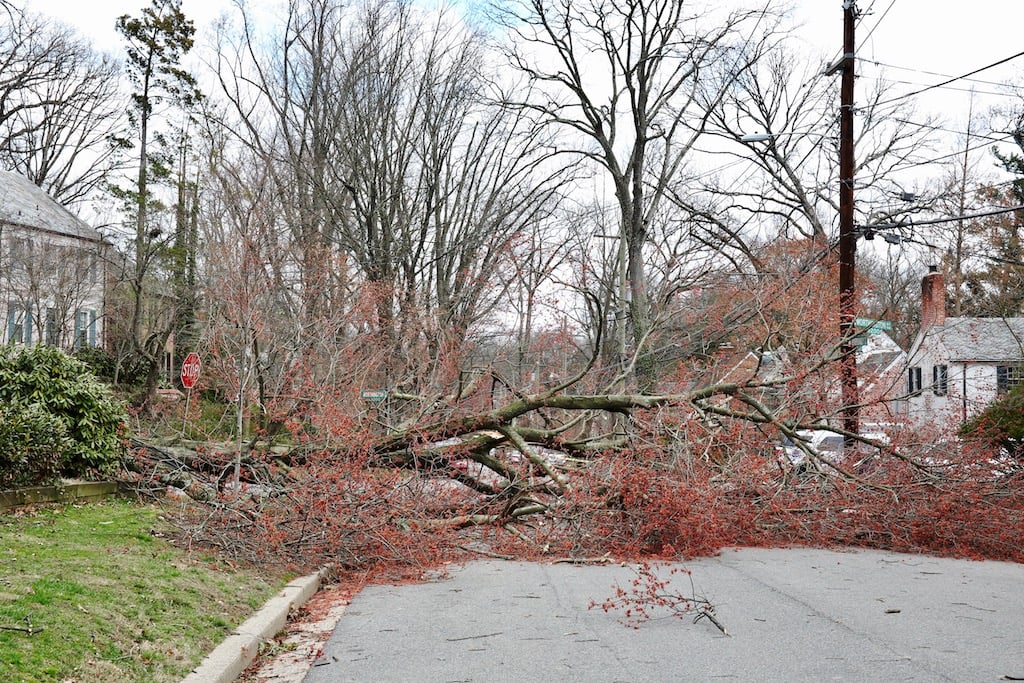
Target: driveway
(791, 615)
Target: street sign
(375, 395)
(190, 370)
(872, 326)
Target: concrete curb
(232, 656)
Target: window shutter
(914, 381)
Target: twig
(709, 614)
(486, 553)
(583, 560)
(483, 635)
(31, 630)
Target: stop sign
(190, 370)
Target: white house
(52, 270)
(880, 365)
(957, 366)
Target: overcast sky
(917, 35)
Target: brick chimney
(933, 298)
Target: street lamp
(847, 258)
(847, 230)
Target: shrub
(1000, 425)
(129, 371)
(48, 385)
(32, 442)
(99, 361)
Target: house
(52, 270)
(957, 366)
(880, 365)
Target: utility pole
(847, 234)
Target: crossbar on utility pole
(847, 234)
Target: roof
(24, 204)
(979, 340)
(756, 366)
(878, 353)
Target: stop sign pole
(190, 368)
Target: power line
(1005, 260)
(947, 87)
(940, 75)
(925, 162)
(951, 80)
(929, 126)
(938, 221)
(880, 19)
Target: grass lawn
(114, 601)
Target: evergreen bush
(1001, 424)
(45, 390)
(32, 442)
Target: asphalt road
(791, 615)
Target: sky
(921, 42)
(917, 35)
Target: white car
(828, 445)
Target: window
(914, 381)
(19, 255)
(940, 379)
(19, 250)
(19, 325)
(52, 329)
(85, 328)
(1008, 376)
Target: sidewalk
(792, 615)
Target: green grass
(115, 601)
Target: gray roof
(24, 204)
(980, 339)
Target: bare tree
(61, 113)
(387, 146)
(55, 284)
(628, 83)
(783, 112)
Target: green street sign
(872, 326)
(374, 395)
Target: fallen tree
(547, 474)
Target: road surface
(791, 615)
